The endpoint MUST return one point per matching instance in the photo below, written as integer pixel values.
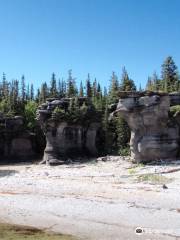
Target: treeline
(19, 98)
(169, 80)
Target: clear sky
(38, 37)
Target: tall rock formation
(71, 129)
(154, 133)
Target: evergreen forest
(17, 97)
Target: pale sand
(98, 201)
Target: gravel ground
(97, 200)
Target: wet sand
(15, 232)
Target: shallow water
(14, 232)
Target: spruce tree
(88, 87)
(155, 81)
(170, 76)
(81, 90)
(28, 93)
(71, 85)
(99, 103)
(113, 89)
(94, 88)
(61, 88)
(149, 85)
(5, 87)
(127, 84)
(53, 88)
(123, 133)
(15, 93)
(23, 88)
(43, 93)
(37, 98)
(32, 92)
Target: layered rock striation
(71, 127)
(154, 131)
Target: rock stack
(154, 132)
(66, 139)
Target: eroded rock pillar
(154, 136)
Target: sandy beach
(96, 200)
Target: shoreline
(102, 200)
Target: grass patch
(132, 171)
(14, 232)
(154, 178)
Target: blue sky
(38, 37)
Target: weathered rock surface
(154, 134)
(15, 141)
(66, 139)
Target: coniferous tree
(15, 93)
(16, 98)
(61, 88)
(110, 126)
(94, 88)
(105, 92)
(88, 87)
(37, 98)
(127, 84)
(43, 93)
(123, 134)
(5, 87)
(114, 89)
(94, 92)
(81, 90)
(28, 93)
(99, 101)
(155, 81)
(11, 95)
(149, 85)
(23, 88)
(170, 76)
(158, 83)
(71, 85)
(53, 88)
(32, 92)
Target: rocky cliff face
(67, 138)
(154, 134)
(15, 141)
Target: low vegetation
(175, 110)
(154, 178)
(14, 232)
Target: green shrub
(30, 114)
(124, 151)
(5, 106)
(174, 110)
